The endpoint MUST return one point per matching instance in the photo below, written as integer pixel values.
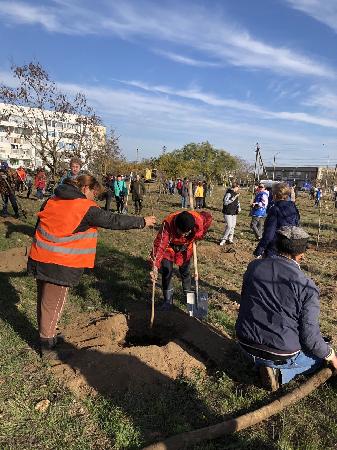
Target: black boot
(187, 286)
(52, 348)
(168, 300)
(48, 348)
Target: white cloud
(247, 108)
(185, 59)
(204, 31)
(23, 13)
(157, 116)
(324, 11)
(323, 99)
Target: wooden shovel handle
(152, 302)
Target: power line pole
(274, 164)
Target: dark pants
(108, 199)
(39, 193)
(204, 201)
(120, 204)
(12, 199)
(20, 186)
(138, 205)
(167, 272)
(199, 202)
(257, 226)
(50, 302)
(29, 191)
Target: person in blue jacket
(278, 320)
(318, 196)
(120, 190)
(259, 210)
(280, 214)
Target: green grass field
(131, 421)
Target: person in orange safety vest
(174, 245)
(64, 244)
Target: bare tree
(56, 127)
(107, 156)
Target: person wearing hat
(174, 245)
(278, 322)
(259, 210)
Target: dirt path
(13, 260)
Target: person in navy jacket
(278, 321)
(283, 212)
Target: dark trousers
(108, 199)
(11, 197)
(39, 193)
(138, 205)
(199, 202)
(257, 226)
(120, 203)
(167, 272)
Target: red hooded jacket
(179, 249)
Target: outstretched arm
(97, 217)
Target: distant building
(15, 139)
(296, 175)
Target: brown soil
(116, 352)
(13, 260)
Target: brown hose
(183, 440)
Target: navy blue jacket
(283, 212)
(279, 310)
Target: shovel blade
(199, 308)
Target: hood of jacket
(68, 192)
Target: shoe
(222, 243)
(50, 349)
(168, 300)
(269, 378)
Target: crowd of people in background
(40, 183)
(279, 356)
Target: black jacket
(95, 217)
(230, 203)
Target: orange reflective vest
(55, 241)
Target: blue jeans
(301, 363)
(184, 202)
(39, 193)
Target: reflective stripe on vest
(65, 250)
(75, 237)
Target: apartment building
(24, 130)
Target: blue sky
(172, 72)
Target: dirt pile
(105, 353)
